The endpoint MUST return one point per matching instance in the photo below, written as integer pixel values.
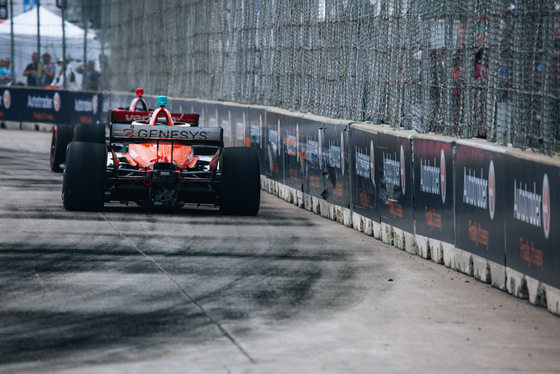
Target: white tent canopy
(25, 40)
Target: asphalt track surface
(129, 290)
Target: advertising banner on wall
(334, 150)
(254, 131)
(256, 119)
(393, 172)
(291, 151)
(86, 107)
(433, 189)
(323, 158)
(273, 155)
(35, 105)
(479, 201)
(365, 189)
(220, 115)
(532, 219)
(308, 155)
(9, 110)
(238, 126)
(312, 158)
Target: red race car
(161, 159)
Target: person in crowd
(5, 72)
(458, 74)
(503, 100)
(91, 76)
(33, 71)
(48, 70)
(480, 69)
(556, 95)
(65, 78)
(479, 91)
(106, 73)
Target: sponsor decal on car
(164, 132)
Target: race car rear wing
(143, 133)
(127, 116)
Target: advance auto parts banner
(364, 191)
(433, 189)
(479, 202)
(532, 219)
(393, 172)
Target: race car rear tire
(92, 133)
(62, 135)
(241, 188)
(83, 185)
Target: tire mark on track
(221, 328)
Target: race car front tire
(240, 189)
(62, 135)
(83, 185)
(93, 133)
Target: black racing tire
(62, 135)
(92, 133)
(83, 185)
(241, 186)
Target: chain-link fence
(466, 68)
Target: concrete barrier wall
(487, 211)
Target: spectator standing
(32, 71)
(458, 74)
(479, 89)
(91, 76)
(106, 73)
(503, 102)
(5, 72)
(48, 69)
(65, 78)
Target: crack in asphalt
(221, 328)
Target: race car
(159, 159)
